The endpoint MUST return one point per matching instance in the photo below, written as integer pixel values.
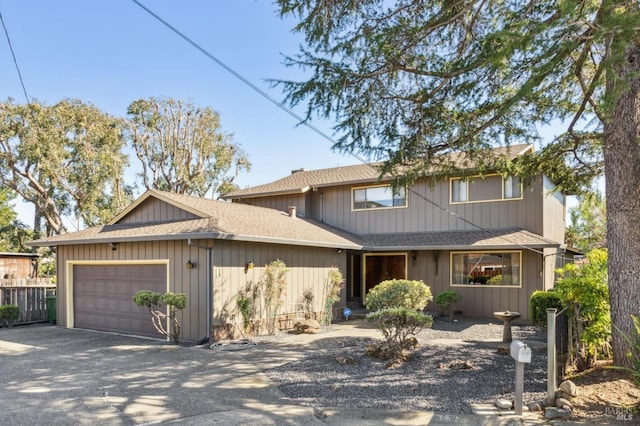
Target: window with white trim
(378, 197)
(487, 269)
(493, 187)
(512, 187)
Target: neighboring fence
(30, 295)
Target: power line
(296, 116)
(240, 77)
(15, 61)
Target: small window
(378, 197)
(512, 187)
(489, 269)
(458, 191)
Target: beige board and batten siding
(480, 300)
(173, 254)
(308, 267)
(154, 210)
(429, 209)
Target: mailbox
(520, 351)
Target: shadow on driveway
(57, 376)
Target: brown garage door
(103, 297)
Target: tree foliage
(584, 292)
(154, 302)
(182, 147)
(408, 80)
(65, 159)
(587, 229)
(13, 233)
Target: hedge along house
(206, 249)
(489, 238)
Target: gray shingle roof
(219, 219)
(304, 180)
(487, 239)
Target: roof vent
(293, 172)
(292, 211)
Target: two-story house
(488, 238)
(491, 239)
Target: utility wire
(241, 78)
(298, 117)
(15, 61)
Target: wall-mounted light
(339, 251)
(414, 256)
(190, 264)
(114, 246)
(247, 266)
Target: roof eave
(198, 235)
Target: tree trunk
(622, 172)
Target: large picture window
(502, 269)
(378, 197)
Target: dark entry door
(382, 267)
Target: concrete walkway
(56, 376)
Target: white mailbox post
(521, 353)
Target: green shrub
(481, 279)
(9, 314)
(398, 324)
(446, 301)
(539, 302)
(584, 289)
(495, 280)
(153, 301)
(399, 294)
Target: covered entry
(382, 267)
(103, 296)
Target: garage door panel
(103, 297)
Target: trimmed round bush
(399, 294)
(539, 302)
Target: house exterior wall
(154, 210)
(308, 267)
(15, 267)
(174, 254)
(554, 212)
(429, 209)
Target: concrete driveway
(57, 376)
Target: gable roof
(217, 220)
(301, 181)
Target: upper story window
(378, 197)
(491, 188)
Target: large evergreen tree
(409, 79)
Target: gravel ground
(428, 381)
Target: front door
(382, 267)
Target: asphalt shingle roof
(507, 238)
(219, 219)
(304, 180)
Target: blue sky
(111, 53)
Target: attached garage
(103, 296)
(197, 247)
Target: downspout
(209, 284)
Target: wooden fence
(30, 295)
